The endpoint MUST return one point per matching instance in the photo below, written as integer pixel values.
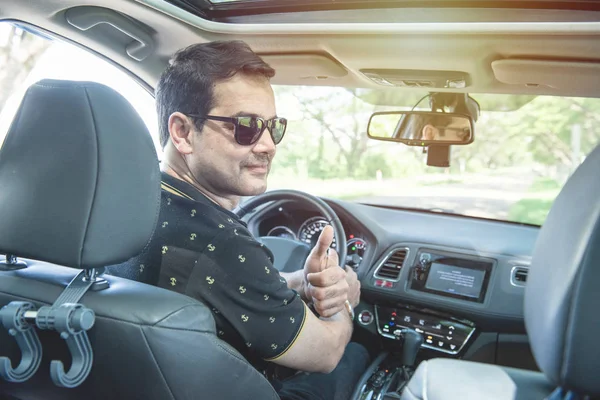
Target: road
(479, 195)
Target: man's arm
(322, 341)
(238, 279)
(295, 281)
(320, 345)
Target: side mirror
(417, 128)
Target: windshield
(513, 171)
(525, 147)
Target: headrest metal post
(11, 262)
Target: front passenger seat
(80, 189)
(562, 297)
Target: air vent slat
(390, 268)
(519, 276)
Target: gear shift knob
(412, 341)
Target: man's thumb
(324, 242)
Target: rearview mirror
(417, 128)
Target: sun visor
(303, 67)
(564, 76)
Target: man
(429, 132)
(417, 127)
(219, 129)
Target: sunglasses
(249, 129)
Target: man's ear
(181, 131)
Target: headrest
(79, 177)
(562, 293)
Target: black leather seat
(561, 311)
(80, 187)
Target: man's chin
(254, 187)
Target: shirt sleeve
(235, 274)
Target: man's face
(218, 162)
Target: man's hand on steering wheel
(326, 284)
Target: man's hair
(187, 85)
(415, 123)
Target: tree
(19, 53)
(339, 120)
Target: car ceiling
(510, 56)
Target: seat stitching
(91, 209)
(174, 312)
(156, 363)
(253, 370)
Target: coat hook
(15, 319)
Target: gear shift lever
(412, 341)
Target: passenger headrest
(79, 177)
(563, 285)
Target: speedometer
(311, 229)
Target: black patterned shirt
(208, 253)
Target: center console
(452, 280)
(439, 334)
(411, 330)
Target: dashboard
(460, 281)
(292, 222)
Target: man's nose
(265, 144)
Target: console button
(365, 317)
(436, 325)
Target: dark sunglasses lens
(248, 130)
(278, 130)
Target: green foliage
(513, 170)
(371, 163)
(534, 210)
(530, 211)
(328, 134)
(544, 184)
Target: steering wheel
(290, 254)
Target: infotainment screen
(456, 280)
(460, 276)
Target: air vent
(390, 268)
(518, 275)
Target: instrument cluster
(309, 232)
